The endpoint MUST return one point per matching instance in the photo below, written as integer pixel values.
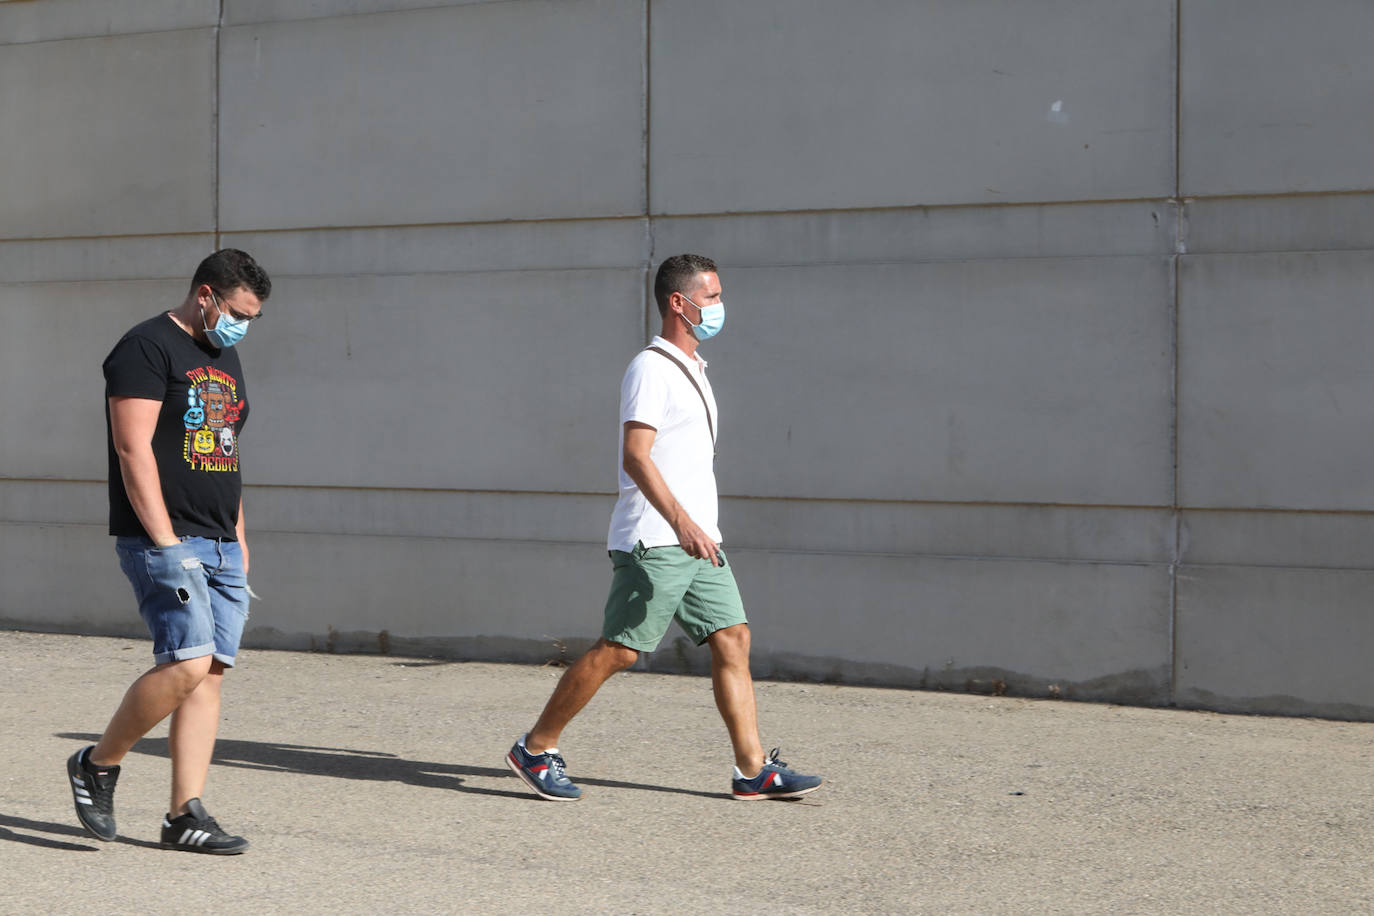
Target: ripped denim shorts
(193, 596)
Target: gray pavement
(375, 784)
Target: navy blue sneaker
(545, 773)
(775, 780)
(93, 793)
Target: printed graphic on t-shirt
(212, 412)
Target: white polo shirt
(655, 392)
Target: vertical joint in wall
(214, 127)
(645, 163)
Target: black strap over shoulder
(687, 372)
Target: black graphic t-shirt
(196, 441)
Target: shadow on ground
(9, 823)
(346, 763)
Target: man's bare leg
(734, 690)
(733, 686)
(191, 739)
(577, 686)
(149, 700)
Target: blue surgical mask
(228, 330)
(712, 320)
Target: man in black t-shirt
(175, 406)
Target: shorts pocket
(173, 568)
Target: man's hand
(693, 540)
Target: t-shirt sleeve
(644, 395)
(136, 368)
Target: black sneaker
(93, 792)
(196, 831)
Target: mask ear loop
(684, 317)
(205, 325)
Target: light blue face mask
(712, 319)
(228, 330)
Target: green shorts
(652, 586)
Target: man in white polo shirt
(665, 548)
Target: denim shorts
(653, 586)
(193, 596)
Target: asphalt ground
(376, 784)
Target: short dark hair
(228, 269)
(677, 272)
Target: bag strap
(687, 372)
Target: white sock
(547, 750)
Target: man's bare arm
(239, 529)
(639, 440)
(132, 423)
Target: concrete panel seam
(444, 224)
(1008, 258)
(804, 500)
(102, 238)
(646, 88)
(22, 523)
(1176, 546)
(308, 17)
(650, 250)
(599, 543)
(1180, 246)
(409, 272)
(1178, 98)
(1288, 567)
(917, 208)
(971, 504)
(115, 36)
(1278, 195)
(1263, 510)
(215, 93)
(347, 488)
(103, 282)
(1252, 252)
(949, 557)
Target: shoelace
(772, 760)
(560, 769)
(102, 790)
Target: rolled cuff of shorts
(182, 655)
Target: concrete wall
(1045, 369)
